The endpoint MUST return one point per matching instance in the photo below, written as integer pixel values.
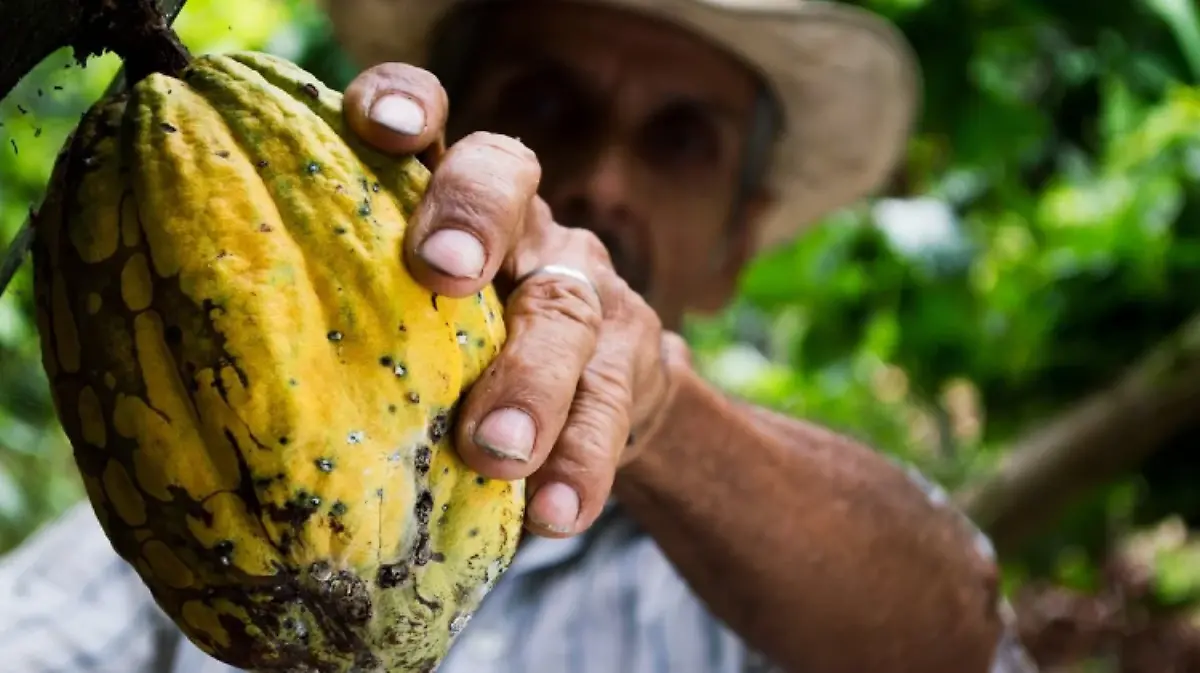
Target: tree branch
(1106, 434)
(34, 29)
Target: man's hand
(583, 369)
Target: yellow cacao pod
(259, 396)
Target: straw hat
(846, 79)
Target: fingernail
(555, 507)
(399, 113)
(454, 252)
(507, 433)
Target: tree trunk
(1103, 436)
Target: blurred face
(639, 128)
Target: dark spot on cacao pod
(386, 361)
(414, 398)
(437, 557)
(338, 508)
(173, 334)
(311, 89)
(167, 127)
(339, 230)
(421, 551)
(334, 336)
(392, 575)
(391, 408)
(424, 507)
(293, 382)
(313, 168)
(296, 511)
(439, 427)
(283, 441)
(473, 532)
(224, 154)
(324, 464)
(349, 597)
(261, 163)
(403, 328)
(479, 343)
(364, 209)
(224, 550)
(264, 227)
(433, 299)
(335, 524)
(375, 186)
(422, 459)
(320, 571)
(480, 481)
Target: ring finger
(513, 414)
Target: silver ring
(563, 270)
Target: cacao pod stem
(139, 31)
(135, 30)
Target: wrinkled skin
(816, 550)
(647, 164)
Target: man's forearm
(821, 553)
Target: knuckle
(472, 204)
(550, 297)
(607, 387)
(588, 242)
(541, 210)
(503, 144)
(412, 78)
(589, 446)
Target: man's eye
(538, 101)
(681, 135)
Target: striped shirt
(607, 601)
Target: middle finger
(473, 213)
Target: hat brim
(847, 81)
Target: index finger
(397, 108)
